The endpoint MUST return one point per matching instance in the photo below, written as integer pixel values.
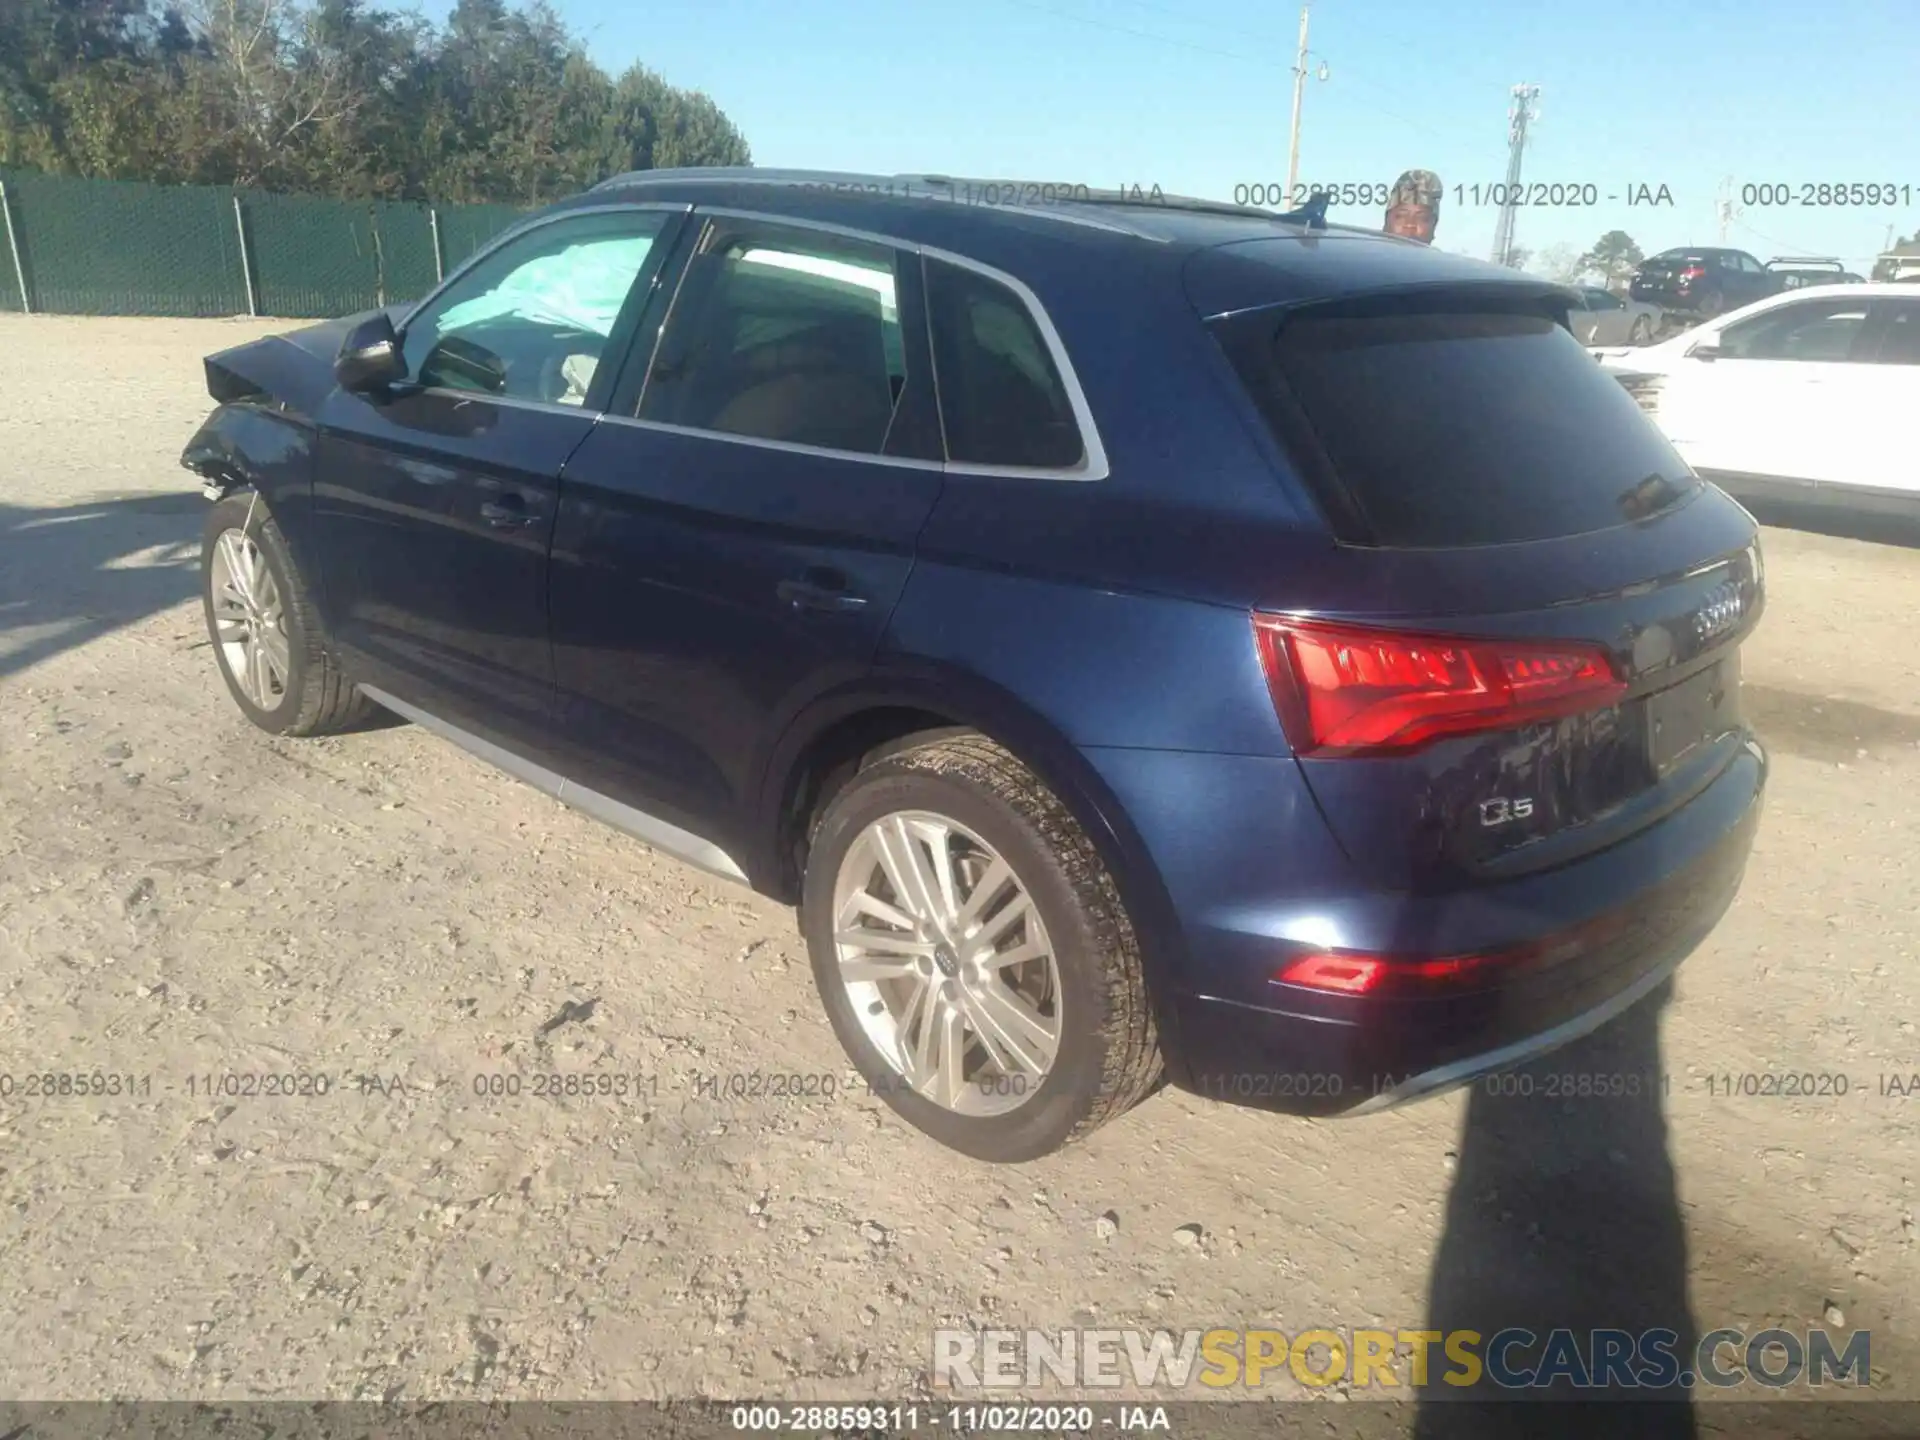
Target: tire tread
(329, 702)
(1133, 1062)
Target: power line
(1244, 59)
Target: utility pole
(1729, 212)
(1519, 116)
(1293, 131)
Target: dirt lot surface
(183, 898)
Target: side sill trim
(648, 829)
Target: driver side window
(531, 321)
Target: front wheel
(266, 634)
(973, 953)
(1641, 332)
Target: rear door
(1749, 280)
(733, 537)
(1881, 398)
(1609, 316)
(1488, 481)
(1582, 320)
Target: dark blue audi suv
(1148, 639)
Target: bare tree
(276, 77)
(1562, 263)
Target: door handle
(820, 590)
(506, 514)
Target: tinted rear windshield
(1471, 429)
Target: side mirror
(1704, 350)
(370, 358)
(460, 364)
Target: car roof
(1250, 257)
(1856, 290)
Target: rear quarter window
(1456, 429)
(1002, 399)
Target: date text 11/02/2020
(1530, 194)
(75, 1086)
(1818, 1085)
(994, 192)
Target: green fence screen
(113, 247)
(117, 247)
(464, 229)
(311, 256)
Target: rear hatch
(1661, 274)
(1524, 646)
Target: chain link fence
(74, 246)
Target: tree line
(336, 98)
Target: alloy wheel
(947, 964)
(249, 619)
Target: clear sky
(1194, 97)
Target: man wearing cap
(1413, 208)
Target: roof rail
(1047, 196)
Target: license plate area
(1696, 712)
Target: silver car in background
(1603, 318)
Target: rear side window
(1443, 429)
(783, 334)
(1900, 341)
(1001, 396)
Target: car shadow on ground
(73, 573)
(1564, 1216)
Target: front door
(1765, 401)
(436, 500)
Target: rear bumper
(1664, 298)
(1648, 903)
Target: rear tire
(1713, 304)
(963, 806)
(1641, 331)
(267, 638)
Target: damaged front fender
(249, 444)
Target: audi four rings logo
(1721, 612)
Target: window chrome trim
(514, 402)
(904, 462)
(527, 227)
(1093, 462)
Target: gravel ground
(182, 897)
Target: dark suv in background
(1141, 637)
(1797, 272)
(1703, 281)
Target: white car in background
(1808, 396)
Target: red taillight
(1692, 272)
(1346, 690)
(1344, 973)
(1353, 972)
